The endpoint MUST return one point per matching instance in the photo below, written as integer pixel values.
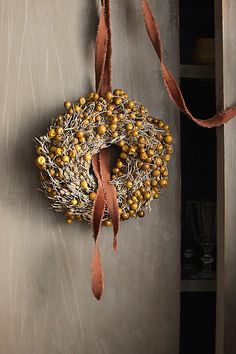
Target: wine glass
(206, 235)
(189, 269)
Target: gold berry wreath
(89, 125)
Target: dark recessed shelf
(192, 71)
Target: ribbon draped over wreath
(80, 139)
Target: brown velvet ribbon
(106, 193)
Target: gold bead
(59, 130)
(116, 170)
(67, 104)
(147, 183)
(59, 162)
(140, 164)
(96, 96)
(113, 126)
(109, 95)
(115, 135)
(156, 173)
(150, 152)
(107, 223)
(119, 164)
(53, 193)
(158, 161)
(52, 172)
(129, 126)
(125, 216)
(137, 193)
(58, 151)
(129, 184)
(97, 118)
(101, 129)
(99, 108)
(132, 115)
(132, 150)
(79, 218)
(125, 148)
(167, 157)
(134, 206)
(40, 160)
(69, 221)
(130, 105)
(39, 150)
(146, 166)
(163, 183)
(147, 195)
(90, 95)
(141, 140)
(154, 183)
(77, 147)
(121, 143)
(143, 156)
(52, 133)
(159, 147)
(82, 100)
(123, 156)
(165, 173)
(141, 213)
(92, 195)
(65, 158)
(166, 127)
(117, 92)
(155, 195)
(77, 108)
(162, 169)
(83, 184)
(168, 139)
(135, 133)
(120, 115)
(130, 201)
(139, 123)
(59, 119)
(109, 112)
(110, 107)
(87, 156)
(131, 212)
(82, 140)
(74, 202)
(72, 154)
(69, 214)
(79, 134)
(114, 119)
(117, 101)
(169, 149)
(160, 124)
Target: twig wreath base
(89, 125)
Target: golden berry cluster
(88, 125)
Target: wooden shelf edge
(198, 285)
(192, 71)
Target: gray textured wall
(46, 305)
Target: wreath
(73, 156)
(88, 126)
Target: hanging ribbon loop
(170, 83)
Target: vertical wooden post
(225, 33)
